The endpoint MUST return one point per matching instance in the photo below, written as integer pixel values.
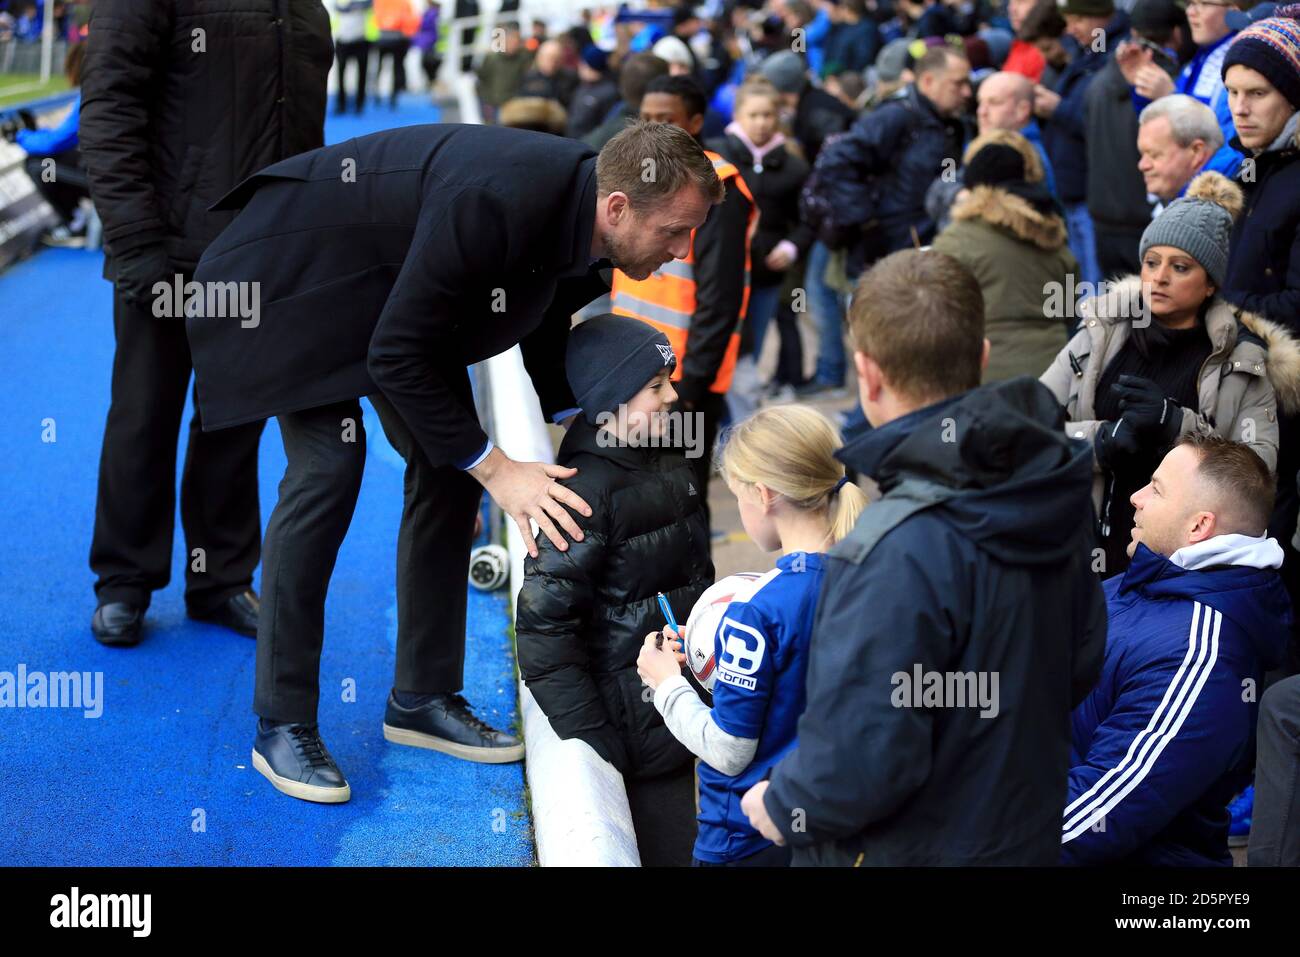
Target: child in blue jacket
(793, 496)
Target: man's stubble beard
(617, 254)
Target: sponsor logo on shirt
(742, 654)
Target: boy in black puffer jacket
(583, 613)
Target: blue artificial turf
(171, 749)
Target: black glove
(1154, 416)
(9, 130)
(137, 270)
(1115, 441)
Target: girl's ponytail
(846, 505)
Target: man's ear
(1203, 525)
(869, 373)
(695, 124)
(615, 207)
(984, 356)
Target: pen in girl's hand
(668, 617)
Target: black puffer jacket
(1117, 194)
(182, 99)
(775, 184)
(583, 613)
(878, 173)
(818, 116)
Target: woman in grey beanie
(1163, 354)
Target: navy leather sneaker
(444, 722)
(293, 758)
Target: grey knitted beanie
(1199, 223)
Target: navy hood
(1019, 488)
(1254, 598)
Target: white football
(702, 625)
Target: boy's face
(669, 108)
(646, 412)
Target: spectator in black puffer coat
(583, 613)
(878, 173)
(596, 93)
(180, 101)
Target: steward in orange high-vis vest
(678, 298)
(700, 301)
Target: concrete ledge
(580, 811)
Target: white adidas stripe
(1155, 718)
(1165, 723)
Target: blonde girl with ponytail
(793, 494)
(794, 497)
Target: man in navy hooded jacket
(1166, 738)
(974, 567)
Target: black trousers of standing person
(1275, 826)
(431, 63)
(67, 185)
(317, 497)
(663, 817)
(131, 552)
(393, 46)
(357, 51)
(789, 363)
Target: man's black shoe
(238, 613)
(293, 758)
(117, 623)
(444, 722)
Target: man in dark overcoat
(383, 267)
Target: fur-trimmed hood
(1264, 340)
(997, 207)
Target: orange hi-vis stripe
(666, 299)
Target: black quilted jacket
(182, 99)
(583, 613)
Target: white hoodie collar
(1246, 550)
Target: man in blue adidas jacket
(1165, 739)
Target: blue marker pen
(668, 617)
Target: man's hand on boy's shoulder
(531, 491)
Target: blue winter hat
(612, 358)
(595, 57)
(999, 44)
(1240, 19)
